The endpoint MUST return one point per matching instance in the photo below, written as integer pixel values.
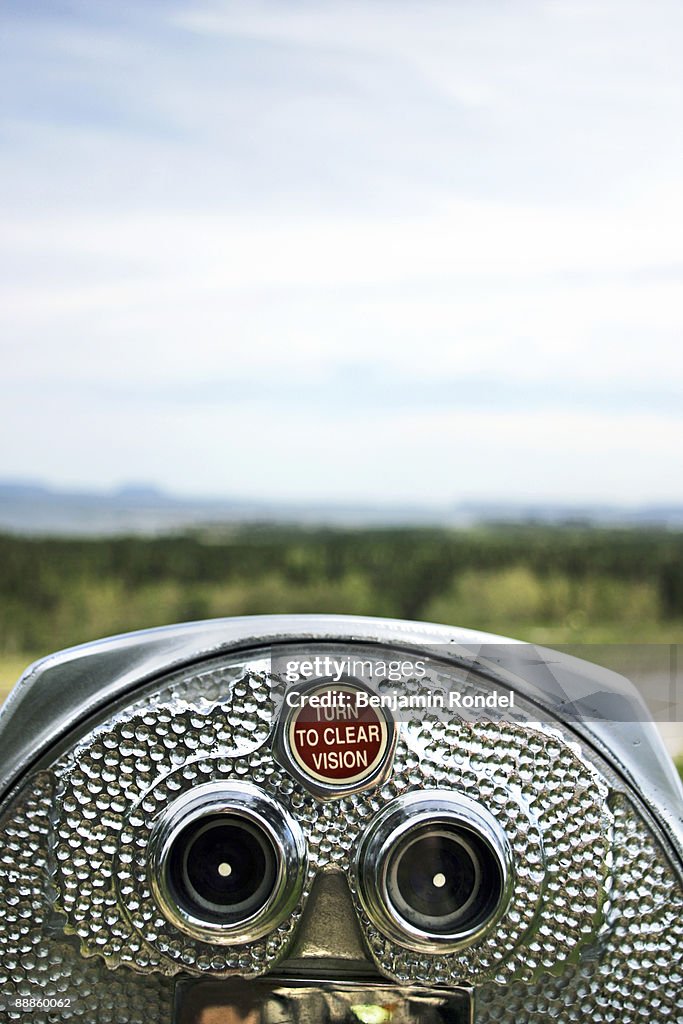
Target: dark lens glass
(223, 868)
(444, 879)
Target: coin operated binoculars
(326, 819)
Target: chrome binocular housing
(330, 819)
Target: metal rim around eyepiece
(263, 821)
(455, 826)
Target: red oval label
(333, 739)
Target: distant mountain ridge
(31, 507)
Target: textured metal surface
(593, 930)
(635, 971)
(39, 962)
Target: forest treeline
(546, 584)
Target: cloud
(382, 220)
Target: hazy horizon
(34, 509)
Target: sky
(386, 251)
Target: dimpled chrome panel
(635, 971)
(554, 942)
(215, 727)
(115, 785)
(553, 810)
(38, 961)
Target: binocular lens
(227, 862)
(443, 879)
(223, 868)
(434, 870)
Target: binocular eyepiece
(227, 863)
(434, 870)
